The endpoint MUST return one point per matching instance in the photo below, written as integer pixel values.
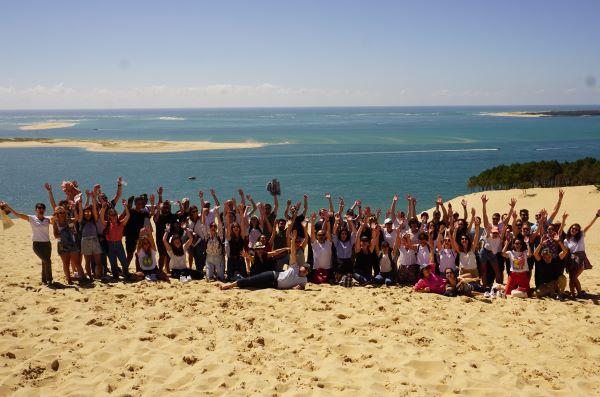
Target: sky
(141, 54)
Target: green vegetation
(538, 174)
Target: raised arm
(254, 207)
(463, 202)
(358, 235)
(16, 213)
(312, 227)
(165, 237)
(305, 210)
(561, 194)
(329, 202)
(327, 227)
(475, 243)
(486, 221)
(214, 196)
(102, 214)
(119, 190)
(127, 213)
(292, 243)
(585, 230)
(50, 194)
(275, 205)
(94, 206)
(79, 213)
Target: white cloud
(215, 95)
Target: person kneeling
(295, 277)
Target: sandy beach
(126, 146)
(514, 114)
(48, 125)
(182, 339)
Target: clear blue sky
(61, 54)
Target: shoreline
(125, 146)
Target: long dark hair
(577, 235)
(177, 251)
(469, 242)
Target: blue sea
(368, 153)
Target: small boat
(192, 178)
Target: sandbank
(48, 125)
(126, 146)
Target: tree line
(532, 174)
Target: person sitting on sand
(146, 258)
(366, 261)
(578, 260)
(467, 262)
(429, 281)
(456, 286)
(445, 253)
(40, 235)
(176, 250)
(549, 277)
(519, 269)
(343, 241)
(386, 265)
(236, 239)
(295, 277)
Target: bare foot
(226, 286)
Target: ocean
(369, 153)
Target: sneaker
(183, 279)
(189, 278)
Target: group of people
(245, 244)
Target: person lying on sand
(295, 277)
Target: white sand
(514, 114)
(131, 146)
(183, 339)
(47, 125)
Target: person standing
(40, 235)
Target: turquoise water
(370, 153)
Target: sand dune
(182, 339)
(127, 146)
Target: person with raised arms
(114, 236)
(578, 260)
(40, 235)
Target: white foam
(171, 118)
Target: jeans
(215, 267)
(235, 266)
(360, 278)
(43, 250)
(386, 278)
(116, 251)
(261, 280)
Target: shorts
(90, 246)
(67, 248)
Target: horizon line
(292, 107)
